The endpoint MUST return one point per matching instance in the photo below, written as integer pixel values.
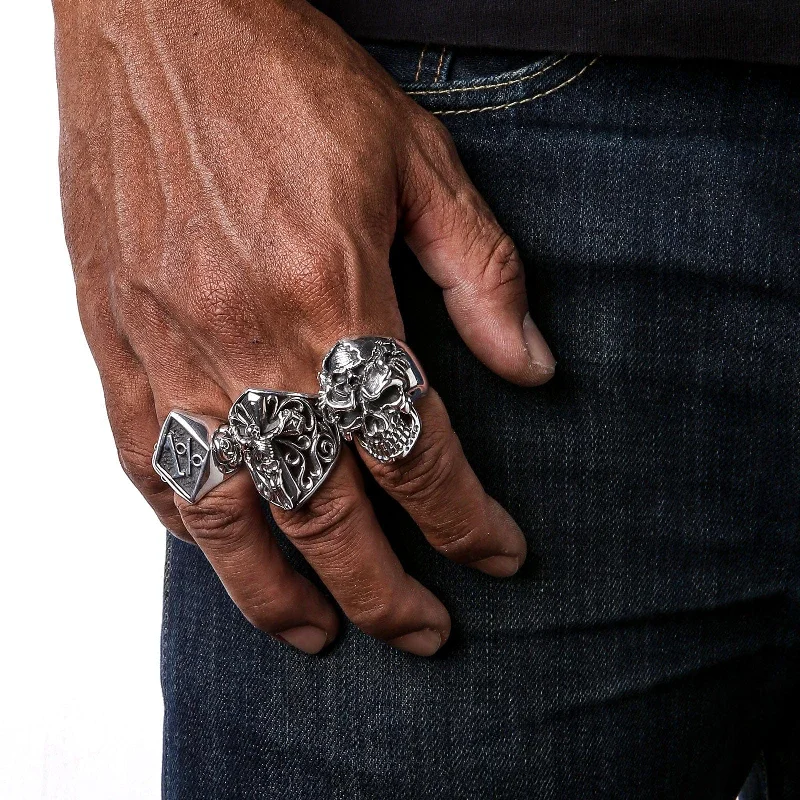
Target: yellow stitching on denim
(478, 86)
(577, 75)
(419, 63)
(439, 68)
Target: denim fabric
(651, 646)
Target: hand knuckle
(329, 518)
(374, 616)
(216, 518)
(136, 301)
(424, 473)
(498, 265)
(458, 539)
(313, 276)
(131, 286)
(218, 308)
(436, 139)
(164, 506)
(317, 284)
(265, 611)
(138, 466)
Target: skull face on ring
(367, 386)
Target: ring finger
(439, 489)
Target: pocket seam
(476, 87)
(478, 110)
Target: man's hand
(233, 176)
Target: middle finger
(438, 488)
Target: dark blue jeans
(651, 646)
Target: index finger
(439, 489)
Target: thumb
(462, 247)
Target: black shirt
(752, 30)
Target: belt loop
(443, 67)
(434, 63)
(420, 63)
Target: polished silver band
(288, 448)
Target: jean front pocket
(474, 85)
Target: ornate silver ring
(194, 454)
(288, 448)
(368, 387)
(290, 441)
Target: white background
(81, 556)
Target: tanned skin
(233, 174)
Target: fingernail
(421, 643)
(307, 638)
(498, 566)
(538, 352)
